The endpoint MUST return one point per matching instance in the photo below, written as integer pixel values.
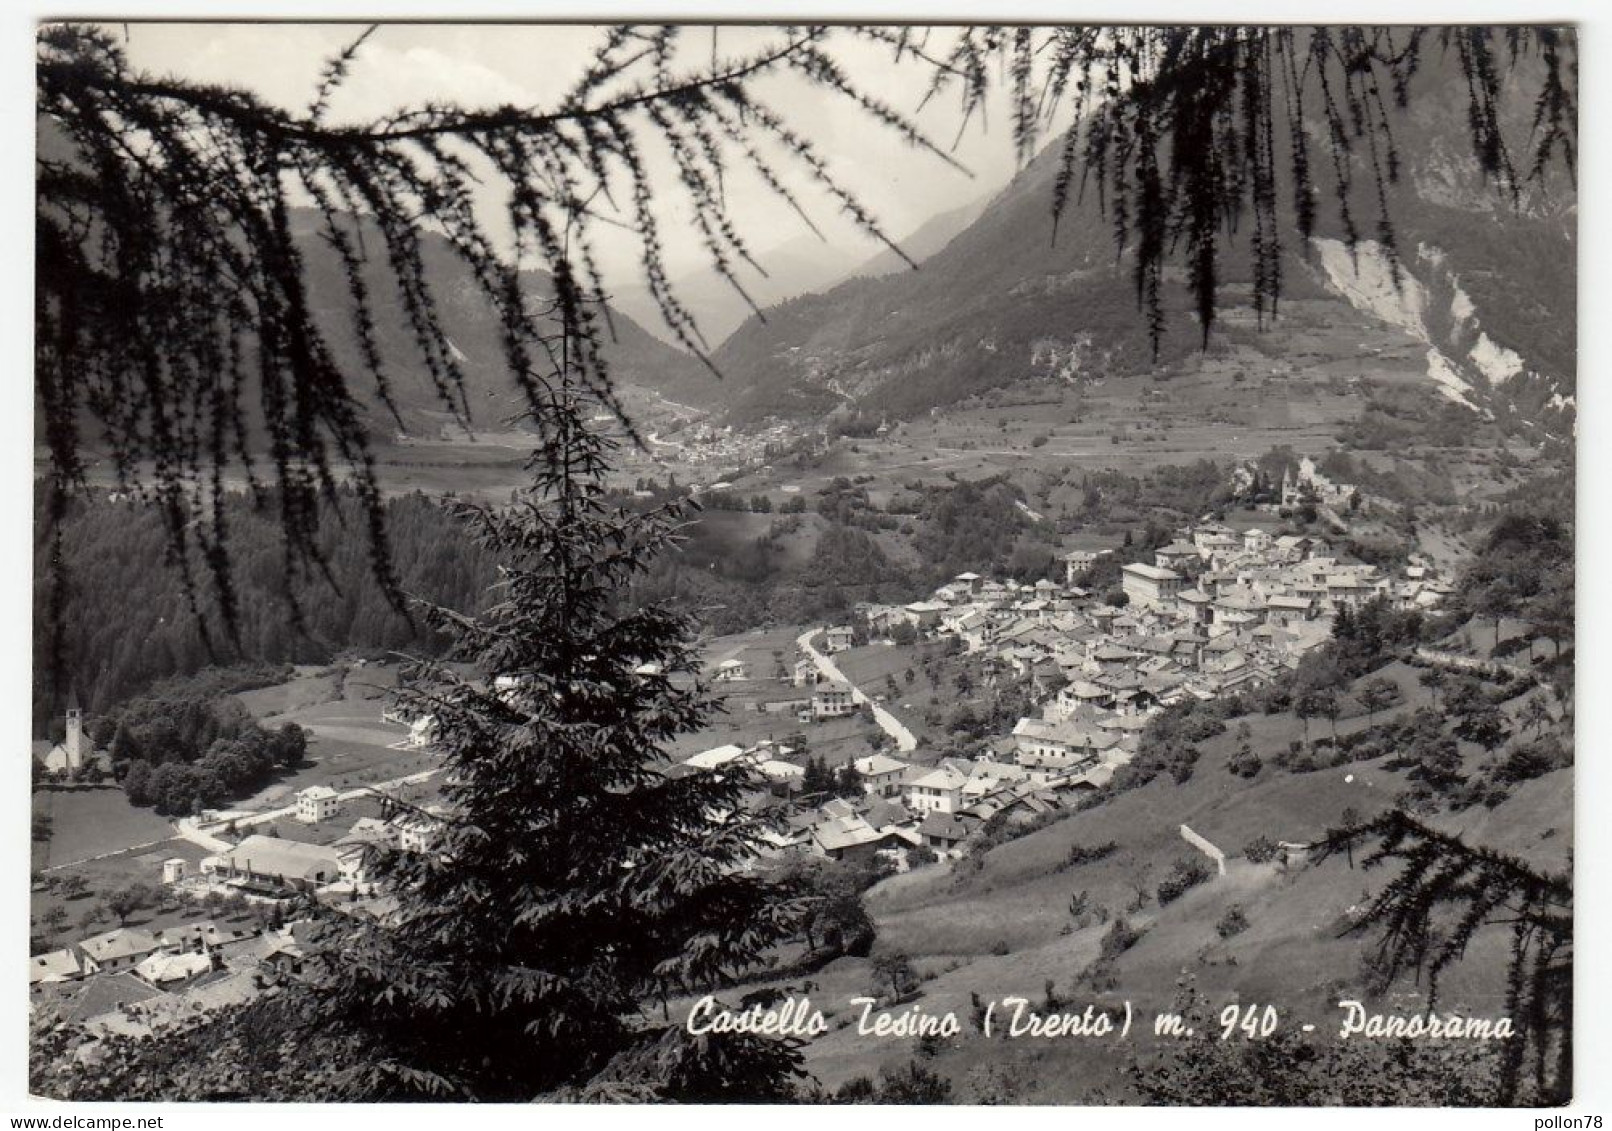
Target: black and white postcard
(803, 564)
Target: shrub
(1120, 937)
(1186, 875)
(1079, 854)
(1261, 850)
(1530, 761)
(1233, 922)
(1080, 908)
(1245, 764)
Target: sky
(483, 65)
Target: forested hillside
(128, 622)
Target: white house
(55, 966)
(1077, 562)
(937, 791)
(423, 731)
(881, 774)
(1149, 585)
(1046, 745)
(418, 832)
(715, 757)
(839, 638)
(119, 949)
(732, 671)
(832, 700)
(923, 615)
(162, 969)
(317, 803)
(807, 672)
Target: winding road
(905, 742)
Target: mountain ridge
(1497, 305)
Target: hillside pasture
(1003, 927)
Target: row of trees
(822, 779)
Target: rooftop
(1152, 573)
(275, 856)
(124, 942)
(875, 764)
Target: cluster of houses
(273, 867)
(133, 981)
(1217, 611)
(136, 980)
(820, 697)
(912, 813)
(906, 813)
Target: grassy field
(90, 821)
(835, 740)
(745, 719)
(761, 650)
(349, 743)
(923, 706)
(349, 746)
(352, 810)
(868, 667)
(309, 687)
(341, 765)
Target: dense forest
(128, 622)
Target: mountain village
(1217, 613)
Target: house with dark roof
(944, 833)
(1175, 555)
(88, 999)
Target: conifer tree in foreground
(574, 881)
(570, 887)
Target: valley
(1049, 629)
